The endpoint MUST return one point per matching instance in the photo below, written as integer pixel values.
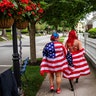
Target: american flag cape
(54, 58)
(81, 67)
(70, 61)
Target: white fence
(90, 47)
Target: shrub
(8, 30)
(92, 33)
(24, 31)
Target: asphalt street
(6, 50)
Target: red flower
(9, 14)
(33, 5)
(38, 5)
(28, 8)
(40, 11)
(24, 1)
(6, 8)
(33, 13)
(2, 10)
(19, 13)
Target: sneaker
(58, 91)
(51, 88)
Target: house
(92, 22)
(80, 27)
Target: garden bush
(24, 31)
(92, 33)
(8, 30)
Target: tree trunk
(4, 33)
(32, 31)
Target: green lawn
(1, 39)
(61, 39)
(34, 82)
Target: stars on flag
(49, 50)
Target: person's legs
(51, 80)
(58, 81)
(72, 88)
(77, 80)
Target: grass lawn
(61, 39)
(32, 85)
(1, 39)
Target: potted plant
(26, 12)
(7, 9)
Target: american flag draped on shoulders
(81, 67)
(54, 58)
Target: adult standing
(78, 66)
(54, 61)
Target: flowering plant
(7, 9)
(27, 10)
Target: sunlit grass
(34, 82)
(61, 39)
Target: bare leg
(58, 79)
(70, 81)
(51, 79)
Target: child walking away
(54, 61)
(79, 63)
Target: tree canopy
(68, 12)
(60, 13)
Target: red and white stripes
(81, 66)
(59, 63)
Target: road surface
(6, 50)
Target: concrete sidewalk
(85, 87)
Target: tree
(34, 14)
(53, 13)
(67, 11)
(57, 11)
(4, 33)
(32, 31)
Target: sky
(89, 16)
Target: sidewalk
(85, 87)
